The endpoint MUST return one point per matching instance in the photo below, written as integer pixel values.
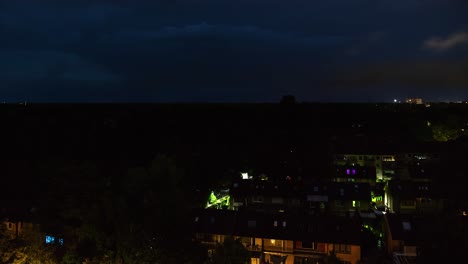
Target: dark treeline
(217, 140)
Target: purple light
(347, 171)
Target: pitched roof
(299, 227)
(333, 190)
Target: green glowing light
(376, 199)
(376, 233)
(213, 197)
(216, 202)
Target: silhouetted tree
(231, 251)
(332, 258)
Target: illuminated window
(284, 223)
(356, 204)
(274, 242)
(275, 223)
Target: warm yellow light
(272, 241)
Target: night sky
(233, 51)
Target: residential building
(384, 164)
(314, 197)
(414, 197)
(281, 237)
(401, 237)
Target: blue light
(49, 239)
(60, 240)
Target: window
(275, 223)
(199, 236)
(246, 240)
(274, 242)
(257, 199)
(406, 225)
(284, 223)
(311, 228)
(10, 226)
(277, 200)
(342, 248)
(309, 245)
(357, 204)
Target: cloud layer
(213, 50)
(442, 44)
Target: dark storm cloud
(229, 51)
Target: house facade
(282, 238)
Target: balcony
(401, 258)
(277, 245)
(255, 248)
